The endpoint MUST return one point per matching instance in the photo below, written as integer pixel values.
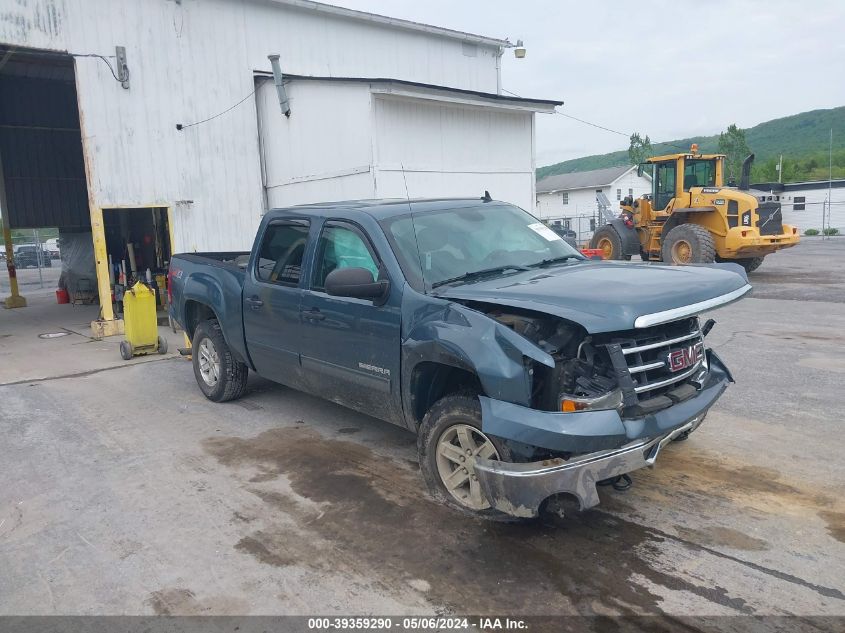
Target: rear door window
(282, 249)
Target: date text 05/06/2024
(417, 623)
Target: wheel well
(431, 381)
(196, 313)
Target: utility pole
(829, 180)
(780, 169)
(39, 256)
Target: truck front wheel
(449, 442)
(689, 244)
(219, 375)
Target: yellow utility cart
(140, 323)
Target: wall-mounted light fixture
(519, 50)
(122, 67)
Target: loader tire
(607, 239)
(220, 376)
(688, 244)
(750, 264)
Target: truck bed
(238, 259)
(213, 279)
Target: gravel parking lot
(126, 492)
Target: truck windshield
(699, 173)
(437, 246)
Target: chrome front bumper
(519, 489)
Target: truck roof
(383, 208)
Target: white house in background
(803, 203)
(570, 199)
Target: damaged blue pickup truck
(526, 370)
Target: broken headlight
(610, 400)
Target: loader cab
(700, 172)
(675, 174)
(663, 183)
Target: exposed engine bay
(581, 370)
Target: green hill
(801, 138)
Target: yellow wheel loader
(691, 216)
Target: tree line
(733, 143)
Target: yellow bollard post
(108, 326)
(15, 300)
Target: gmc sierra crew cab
(526, 370)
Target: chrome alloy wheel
(209, 362)
(457, 450)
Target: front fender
(452, 334)
(224, 298)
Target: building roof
(582, 179)
(500, 98)
(408, 25)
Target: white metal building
(804, 203)
(570, 199)
(370, 97)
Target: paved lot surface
(126, 492)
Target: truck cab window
(282, 249)
(699, 173)
(342, 246)
(664, 184)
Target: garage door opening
(138, 247)
(43, 188)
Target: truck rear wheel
(689, 244)
(750, 264)
(607, 239)
(219, 375)
(449, 441)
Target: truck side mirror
(355, 282)
(640, 170)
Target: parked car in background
(31, 256)
(569, 236)
(52, 247)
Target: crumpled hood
(603, 296)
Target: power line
(181, 126)
(601, 127)
(29, 53)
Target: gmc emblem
(683, 358)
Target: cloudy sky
(668, 69)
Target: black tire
(162, 345)
(692, 239)
(126, 350)
(463, 409)
(609, 240)
(750, 264)
(230, 382)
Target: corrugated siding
(191, 60)
(41, 152)
(323, 152)
(453, 150)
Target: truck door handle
(254, 302)
(313, 314)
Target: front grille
(647, 355)
(769, 218)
